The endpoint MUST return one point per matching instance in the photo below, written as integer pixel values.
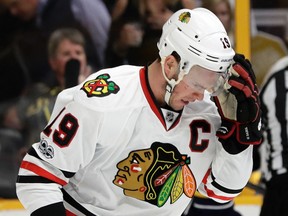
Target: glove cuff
(249, 133)
(242, 133)
(226, 129)
(227, 134)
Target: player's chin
(179, 105)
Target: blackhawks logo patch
(185, 17)
(156, 174)
(100, 87)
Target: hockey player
(140, 141)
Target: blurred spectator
(127, 9)
(120, 8)
(126, 32)
(124, 36)
(64, 45)
(137, 26)
(41, 17)
(31, 114)
(23, 121)
(274, 149)
(10, 60)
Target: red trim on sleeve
(210, 193)
(41, 172)
(204, 180)
(68, 213)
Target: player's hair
(71, 34)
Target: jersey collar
(166, 115)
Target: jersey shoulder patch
(100, 86)
(111, 88)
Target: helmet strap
(170, 83)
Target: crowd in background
(49, 45)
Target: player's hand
(239, 105)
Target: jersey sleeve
(229, 172)
(228, 175)
(67, 144)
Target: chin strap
(169, 89)
(170, 83)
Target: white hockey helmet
(199, 38)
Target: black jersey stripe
(33, 153)
(33, 179)
(75, 204)
(224, 189)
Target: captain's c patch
(100, 87)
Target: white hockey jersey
(110, 150)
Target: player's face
(193, 86)
(24, 9)
(66, 51)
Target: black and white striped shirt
(274, 105)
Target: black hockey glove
(239, 107)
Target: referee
(273, 97)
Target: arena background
(249, 201)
